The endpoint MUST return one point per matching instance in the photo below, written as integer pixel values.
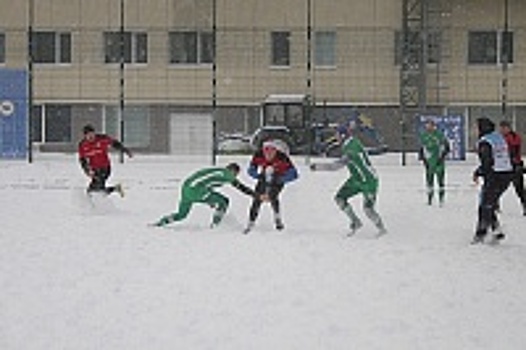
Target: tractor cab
(290, 111)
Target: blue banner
(13, 113)
(453, 127)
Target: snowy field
(73, 276)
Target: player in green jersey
(434, 148)
(200, 188)
(363, 179)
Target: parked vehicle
(289, 117)
(234, 143)
(272, 132)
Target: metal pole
(309, 47)
(307, 109)
(505, 55)
(121, 78)
(31, 19)
(423, 56)
(214, 82)
(403, 63)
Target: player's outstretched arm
(243, 188)
(120, 147)
(333, 166)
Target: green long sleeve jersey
(205, 180)
(434, 147)
(357, 161)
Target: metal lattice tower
(412, 67)
(439, 30)
(413, 50)
(423, 52)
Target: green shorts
(351, 188)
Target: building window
(506, 47)
(433, 47)
(2, 48)
(36, 124)
(57, 123)
(135, 48)
(136, 125)
(191, 47)
(206, 45)
(325, 48)
(51, 47)
(280, 43)
(484, 47)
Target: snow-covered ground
(73, 276)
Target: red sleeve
(514, 145)
(106, 139)
(282, 164)
(258, 160)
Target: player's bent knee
(340, 202)
(223, 204)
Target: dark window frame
(489, 47)
(135, 47)
(137, 126)
(280, 48)
(52, 47)
(190, 47)
(507, 46)
(321, 61)
(2, 47)
(58, 123)
(37, 124)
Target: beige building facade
(350, 60)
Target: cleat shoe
(496, 238)
(496, 228)
(355, 226)
(217, 217)
(382, 231)
(162, 222)
(119, 189)
(249, 227)
(477, 239)
(279, 225)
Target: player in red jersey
(95, 161)
(272, 169)
(513, 139)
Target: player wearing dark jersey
(272, 169)
(94, 159)
(497, 172)
(513, 139)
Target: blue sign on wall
(13, 113)
(453, 127)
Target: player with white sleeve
(363, 179)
